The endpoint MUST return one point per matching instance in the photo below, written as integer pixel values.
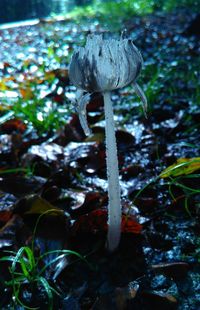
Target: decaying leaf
(175, 270)
(26, 93)
(183, 166)
(34, 204)
(96, 221)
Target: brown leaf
(26, 93)
(96, 221)
(13, 125)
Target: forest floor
(53, 188)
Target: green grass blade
(62, 252)
(18, 280)
(17, 258)
(31, 258)
(24, 266)
(7, 258)
(48, 290)
(37, 223)
(187, 188)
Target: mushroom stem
(114, 207)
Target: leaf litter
(46, 163)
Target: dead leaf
(183, 166)
(14, 124)
(96, 221)
(173, 270)
(26, 93)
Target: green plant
(188, 191)
(26, 171)
(43, 115)
(113, 13)
(26, 269)
(178, 174)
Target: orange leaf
(26, 93)
(96, 221)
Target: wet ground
(46, 162)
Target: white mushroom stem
(114, 207)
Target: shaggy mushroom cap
(105, 64)
(102, 66)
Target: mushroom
(104, 65)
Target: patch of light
(20, 56)
(136, 6)
(40, 116)
(33, 68)
(136, 129)
(98, 182)
(70, 96)
(9, 94)
(60, 90)
(20, 24)
(48, 107)
(32, 49)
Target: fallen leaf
(175, 270)
(183, 166)
(12, 125)
(26, 93)
(96, 221)
(34, 204)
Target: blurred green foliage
(117, 10)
